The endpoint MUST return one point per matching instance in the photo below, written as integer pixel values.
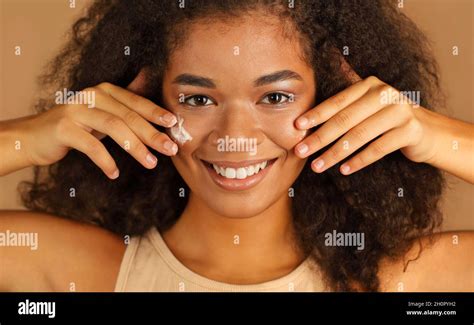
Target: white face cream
(179, 133)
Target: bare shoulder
(444, 262)
(43, 252)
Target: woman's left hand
(371, 109)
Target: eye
(198, 100)
(277, 99)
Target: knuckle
(316, 139)
(105, 86)
(372, 80)
(415, 130)
(342, 120)
(92, 91)
(131, 117)
(359, 161)
(386, 89)
(377, 149)
(335, 153)
(408, 112)
(157, 137)
(89, 89)
(416, 127)
(156, 115)
(66, 111)
(316, 116)
(62, 126)
(339, 100)
(404, 113)
(136, 146)
(134, 99)
(360, 133)
(93, 148)
(113, 122)
(139, 149)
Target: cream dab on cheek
(179, 133)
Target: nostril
(213, 138)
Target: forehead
(249, 46)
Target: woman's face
(239, 87)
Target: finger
(139, 104)
(387, 143)
(331, 106)
(141, 127)
(79, 139)
(118, 130)
(369, 129)
(340, 123)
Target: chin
(235, 207)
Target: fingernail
(318, 164)
(302, 122)
(302, 148)
(115, 174)
(151, 160)
(171, 147)
(169, 119)
(345, 169)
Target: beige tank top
(149, 265)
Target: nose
(238, 121)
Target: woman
(285, 163)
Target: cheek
(280, 125)
(190, 131)
(194, 132)
(281, 130)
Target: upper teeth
(241, 172)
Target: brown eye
(198, 100)
(275, 99)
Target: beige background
(39, 27)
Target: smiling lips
(241, 172)
(238, 175)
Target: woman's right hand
(119, 113)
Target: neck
(234, 250)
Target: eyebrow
(192, 80)
(198, 81)
(277, 76)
